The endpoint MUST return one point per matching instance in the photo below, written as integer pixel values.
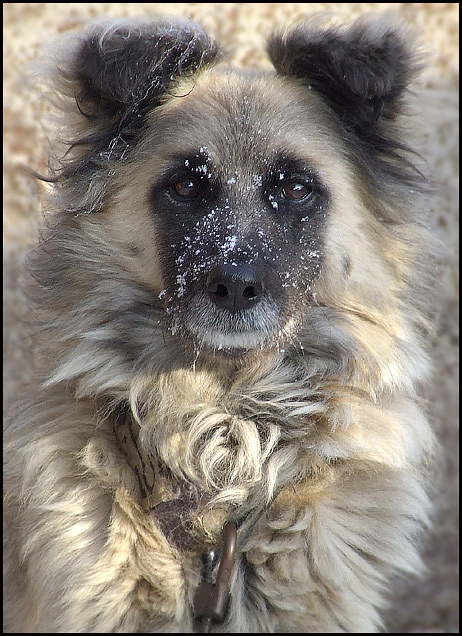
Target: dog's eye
(186, 188)
(296, 190)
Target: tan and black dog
(231, 297)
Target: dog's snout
(234, 287)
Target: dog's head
(238, 211)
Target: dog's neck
(168, 498)
(172, 502)
(178, 506)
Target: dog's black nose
(234, 287)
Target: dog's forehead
(235, 120)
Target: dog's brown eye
(296, 191)
(186, 188)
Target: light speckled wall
(429, 605)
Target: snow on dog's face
(239, 203)
(243, 211)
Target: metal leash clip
(212, 599)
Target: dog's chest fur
(305, 555)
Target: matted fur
(298, 418)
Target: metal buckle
(211, 600)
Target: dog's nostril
(234, 287)
(251, 292)
(221, 291)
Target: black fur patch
(127, 69)
(116, 74)
(361, 72)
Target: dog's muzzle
(230, 307)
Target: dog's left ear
(361, 71)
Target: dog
(232, 296)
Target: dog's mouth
(225, 331)
(234, 310)
(222, 332)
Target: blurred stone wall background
(428, 605)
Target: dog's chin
(235, 338)
(233, 344)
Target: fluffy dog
(232, 296)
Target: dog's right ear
(108, 78)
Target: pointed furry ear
(361, 70)
(128, 65)
(106, 80)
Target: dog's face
(234, 183)
(236, 212)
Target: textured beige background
(428, 605)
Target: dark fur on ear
(115, 73)
(361, 71)
(130, 66)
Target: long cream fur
(318, 443)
